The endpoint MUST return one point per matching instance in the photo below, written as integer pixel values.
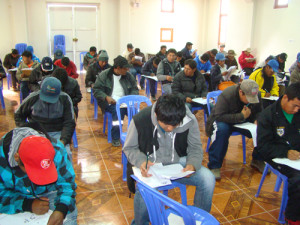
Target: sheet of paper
(25, 218)
(252, 128)
(27, 69)
(271, 98)
(138, 58)
(173, 171)
(177, 220)
(150, 77)
(291, 163)
(230, 71)
(202, 101)
(14, 69)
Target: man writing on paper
(189, 83)
(36, 175)
(278, 136)
(168, 132)
(236, 104)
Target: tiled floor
(103, 197)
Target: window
(167, 6)
(166, 34)
(223, 20)
(281, 4)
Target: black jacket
(215, 77)
(72, 88)
(148, 68)
(10, 61)
(2, 71)
(185, 86)
(36, 76)
(93, 71)
(58, 116)
(275, 135)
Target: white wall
(6, 28)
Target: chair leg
(74, 137)
(124, 162)
(208, 144)
(2, 98)
(96, 111)
(284, 199)
(244, 148)
(92, 97)
(262, 180)
(278, 184)
(109, 127)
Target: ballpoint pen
(147, 159)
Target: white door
(79, 25)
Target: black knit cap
(121, 62)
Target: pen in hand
(147, 160)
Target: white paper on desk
(271, 98)
(177, 220)
(138, 58)
(291, 163)
(14, 69)
(25, 218)
(202, 101)
(27, 69)
(172, 171)
(251, 127)
(230, 71)
(151, 77)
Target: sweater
(71, 68)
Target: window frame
(276, 6)
(221, 15)
(166, 30)
(167, 11)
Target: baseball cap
(50, 90)
(298, 60)
(250, 88)
(231, 52)
(189, 43)
(37, 154)
(129, 45)
(274, 65)
(47, 64)
(220, 57)
(121, 62)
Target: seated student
(222, 50)
(69, 86)
(236, 104)
(295, 76)
(281, 58)
(95, 69)
(10, 62)
(187, 51)
(167, 69)
(137, 60)
(180, 59)
(36, 175)
(22, 76)
(212, 56)
(68, 65)
(175, 132)
(127, 52)
(203, 63)
(150, 69)
(110, 85)
(230, 59)
(2, 74)
(189, 83)
(52, 108)
(34, 57)
(58, 54)
(162, 53)
(294, 65)
(45, 69)
(278, 136)
(265, 78)
(247, 61)
(263, 63)
(89, 58)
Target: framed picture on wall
(166, 34)
(167, 6)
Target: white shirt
(118, 90)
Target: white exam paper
(153, 78)
(291, 163)
(25, 218)
(252, 128)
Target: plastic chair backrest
(21, 47)
(156, 202)
(133, 103)
(81, 56)
(59, 43)
(214, 95)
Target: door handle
(75, 39)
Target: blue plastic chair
(106, 120)
(214, 95)
(9, 82)
(59, 43)
(157, 203)
(92, 96)
(2, 98)
(133, 103)
(74, 137)
(148, 87)
(280, 178)
(21, 47)
(81, 56)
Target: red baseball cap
(37, 154)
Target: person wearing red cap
(36, 175)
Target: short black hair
(61, 74)
(170, 109)
(192, 63)
(156, 60)
(137, 51)
(293, 91)
(65, 61)
(270, 57)
(171, 50)
(214, 51)
(205, 57)
(27, 54)
(283, 56)
(179, 54)
(163, 46)
(93, 49)
(15, 51)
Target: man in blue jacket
(36, 175)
